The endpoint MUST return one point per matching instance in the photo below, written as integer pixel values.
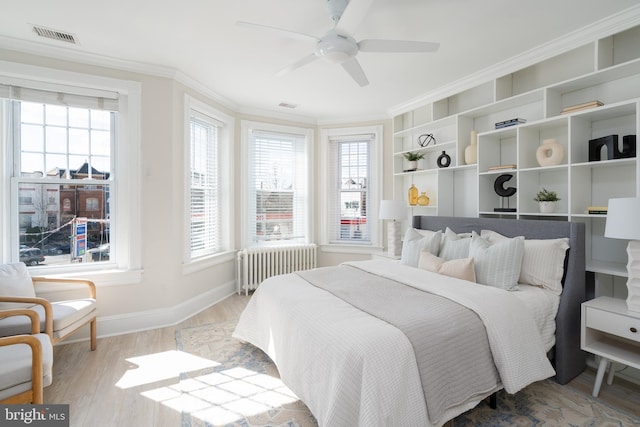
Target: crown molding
(613, 24)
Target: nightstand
(612, 332)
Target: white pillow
(454, 246)
(414, 243)
(543, 260)
(459, 268)
(15, 281)
(499, 264)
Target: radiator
(258, 264)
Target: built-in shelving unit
(607, 69)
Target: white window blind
(204, 188)
(56, 94)
(349, 176)
(278, 188)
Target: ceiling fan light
(335, 57)
(336, 49)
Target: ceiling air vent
(55, 34)
(287, 105)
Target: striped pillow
(542, 262)
(497, 264)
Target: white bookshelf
(606, 69)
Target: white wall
(166, 295)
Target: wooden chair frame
(35, 395)
(48, 308)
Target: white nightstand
(612, 332)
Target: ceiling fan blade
(280, 31)
(397, 46)
(299, 63)
(352, 66)
(352, 16)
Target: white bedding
(543, 305)
(376, 382)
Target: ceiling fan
(337, 46)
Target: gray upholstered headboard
(568, 359)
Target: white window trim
(374, 183)
(225, 141)
(127, 266)
(245, 127)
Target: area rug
(243, 389)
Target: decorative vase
(547, 207)
(550, 153)
(423, 200)
(444, 160)
(413, 195)
(471, 152)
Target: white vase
(412, 165)
(471, 152)
(550, 153)
(547, 207)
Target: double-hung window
(352, 186)
(208, 182)
(277, 202)
(62, 153)
(67, 151)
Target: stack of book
(501, 167)
(579, 107)
(510, 122)
(597, 210)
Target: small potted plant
(547, 200)
(413, 157)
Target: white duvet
(306, 331)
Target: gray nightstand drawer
(613, 323)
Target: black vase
(444, 160)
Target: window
(352, 187)
(92, 204)
(59, 150)
(277, 197)
(68, 151)
(208, 182)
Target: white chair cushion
(15, 366)
(15, 281)
(65, 315)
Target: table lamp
(623, 222)
(394, 210)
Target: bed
(357, 345)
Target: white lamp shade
(623, 219)
(392, 209)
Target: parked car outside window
(31, 256)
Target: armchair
(18, 290)
(25, 369)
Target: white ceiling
(200, 39)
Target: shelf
(431, 148)
(605, 69)
(613, 268)
(617, 350)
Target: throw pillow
(497, 264)
(15, 281)
(462, 268)
(542, 262)
(454, 246)
(414, 243)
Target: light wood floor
(107, 387)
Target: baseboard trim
(158, 318)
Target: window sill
(101, 278)
(207, 262)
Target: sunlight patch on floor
(223, 397)
(161, 366)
